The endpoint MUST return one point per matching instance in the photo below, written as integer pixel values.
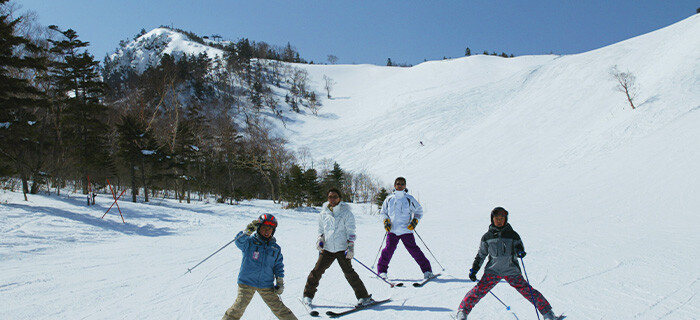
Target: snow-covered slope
(605, 197)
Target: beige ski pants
(245, 294)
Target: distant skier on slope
(336, 241)
(401, 213)
(260, 266)
(503, 246)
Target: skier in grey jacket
(503, 246)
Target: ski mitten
(413, 224)
(319, 243)
(279, 287)
(252, 227)
(351, 250)
(472, 274)
(387, 225)
(521, 254)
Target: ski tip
(400, 284)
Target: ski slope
(604, 197)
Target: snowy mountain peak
(146, 50)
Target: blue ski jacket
(262, 260)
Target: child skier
(401, 213)
(503, 246)
(260, 266)
(336, 241)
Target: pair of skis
(314, 313)
(416, 284)
(333, 314)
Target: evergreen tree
(336, 179)
(293, 188)
(79, 90)
(381, 196)
(20, 103)
(135, 145)
(288, 55)
(312, 188)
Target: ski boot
(365, 301)
(461, 315)
(549, 315)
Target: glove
(351, 250)
(252, 227)
(413, 224)
(387, 225)
(319, 243)
(279, 288)
(521, 254)
(472, 274)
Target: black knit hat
(499, 210)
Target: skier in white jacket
(336, 241)
(401, 213)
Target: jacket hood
(400, 194)
(494, 229)
(498, 210)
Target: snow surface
(605, 197)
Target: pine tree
(79, 91)
(312, 188)
(336, 179)
(139, 151)
(381, 196)
(294, 187)
(20, 102)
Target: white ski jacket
(400, 207)
(337, 227)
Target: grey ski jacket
(501, 246)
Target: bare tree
(304, 158)
(329, 83)
(270, 158)
(332, 58)
(314, 104)
(626, 83)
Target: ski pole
(372, 271)
(497, 298)
(532, 295)
(431, 253)
(380, 250)
(189, 270)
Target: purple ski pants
(409, 241)
(488, 281)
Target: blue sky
(363, 31)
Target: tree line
(189, 126)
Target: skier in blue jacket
(261, 267)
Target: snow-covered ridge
(147, 50)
